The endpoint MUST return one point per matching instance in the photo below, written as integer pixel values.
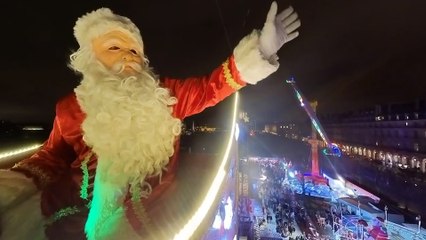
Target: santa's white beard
(129, 126)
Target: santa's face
(118, 52)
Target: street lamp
(386, 214)
(359, 209)
(419, 219)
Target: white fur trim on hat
(101, 21)
(250, 62)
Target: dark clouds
(350, 54)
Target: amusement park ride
(331, 149)
(356, 225)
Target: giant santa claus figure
(111, 152)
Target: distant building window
(416, 147)
(379, 118)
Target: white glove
(278, 29)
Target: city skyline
(349, 55)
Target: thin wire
(223, 25)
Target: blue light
(332, 150)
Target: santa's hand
(278, 29)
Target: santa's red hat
(101, 21)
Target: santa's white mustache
(120, 66)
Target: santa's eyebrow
(111, 42)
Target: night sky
(349, 55)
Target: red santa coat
(64, 168)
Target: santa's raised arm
(112, 150)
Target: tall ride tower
(310, 108)
(314, 145)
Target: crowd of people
(293, 216)
(279, 202)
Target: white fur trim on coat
(118, 227)
(20, 213)
(24, 221)
(15, 187)
(250, 61)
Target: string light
(19, 151)
(188, 230)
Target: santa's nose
(127, 57)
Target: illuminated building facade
(287, 129)
(394, 134)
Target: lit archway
(382, 157)
(389, 158)
(404, 161)
(396, 159)
(413, 162)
